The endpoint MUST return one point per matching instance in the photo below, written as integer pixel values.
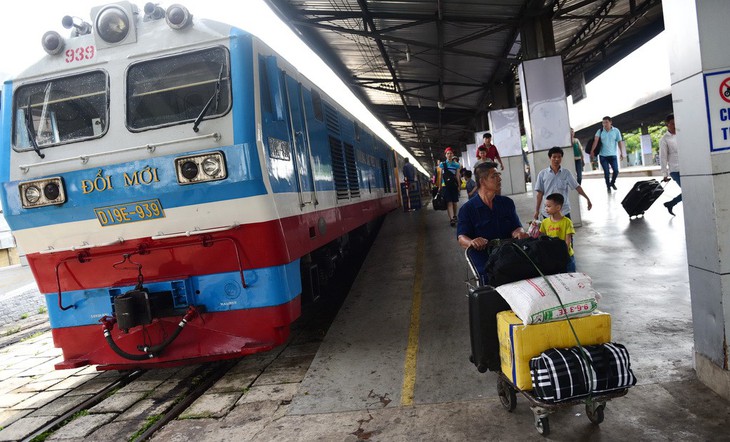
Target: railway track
(195, 381)
(135, 405)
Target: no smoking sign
(725, 90)
(717, 101)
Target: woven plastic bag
(534, 301)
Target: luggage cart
(541, 410)
(594, 405)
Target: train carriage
(169, 178)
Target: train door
(300, 141)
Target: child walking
(559, 226)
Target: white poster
(505, 126)
(470, 157)
(717, 99)
(646, 144)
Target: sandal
(453, 221)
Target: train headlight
(189, 170)
(32, 194)
(112, 24)
(177, 16)
(193, 169)
(44, 192)
(52, 42)
(211, 166)
(51, 191)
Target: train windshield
(178, 89)
(60, 111)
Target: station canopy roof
(429, 69)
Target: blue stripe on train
(244, 180)
(267, 287)
(5, 124)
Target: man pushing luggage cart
(533, 359)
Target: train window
(317, 105)
(265, 89)
(59, 111)
(178, 89)
(357, 130)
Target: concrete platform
(384, 374)
(361, 372)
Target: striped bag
(562, 374)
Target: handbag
(439, 202)
(563, 374)
(515, 260)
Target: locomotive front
(133, 182)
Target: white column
(700, 67)
(505, 129)
(545, 112)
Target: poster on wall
(470, 157)
(717, 103)
(547, 123)
(646, 144)
(505, 126)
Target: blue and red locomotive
(170, 179)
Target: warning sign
(717, 100)
(725, 89)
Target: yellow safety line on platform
(409, 368)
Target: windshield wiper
(216, 96)
(31, 130)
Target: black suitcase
(641, 197)
(484, 304)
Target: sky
(644, 72)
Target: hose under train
(149, 351)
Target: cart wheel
(543, 425)
(507, 395)
(595, 415)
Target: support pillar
(700, 69)
(545, 113)
(505, 127)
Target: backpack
(449, 177)
(589, 144)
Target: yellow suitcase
(519, 343)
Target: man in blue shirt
(611, 142)
(488, 215)
(409, 171)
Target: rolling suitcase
(641, 197)
(484, 304)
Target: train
(178, 187)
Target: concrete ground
(19, 296)
(382, 373)
(363, 383)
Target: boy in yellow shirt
(559, 226)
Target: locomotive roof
(151, 37)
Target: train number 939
(129, 213)
(80, 54)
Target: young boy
(559, 226)
(471, 185)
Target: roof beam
(324, 15)
(384, 54)
(379, 36)
(610, 34)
